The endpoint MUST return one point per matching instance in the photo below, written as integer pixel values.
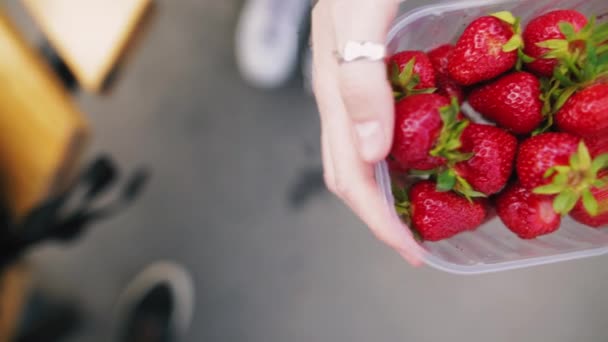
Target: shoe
(269, 35)
(157, 305)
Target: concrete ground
(273, 263)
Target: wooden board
(42, 133)
(90, 35)
(14, 289)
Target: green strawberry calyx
(403, 208)
(449, 143)
(582, 54)
(448, 147)
(517, 41)
(405, 81)
(574, 182)
(582, 61)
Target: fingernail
(370, 137)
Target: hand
(357, 112)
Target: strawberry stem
(404, 82)
(573, 182)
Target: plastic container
(492, 247)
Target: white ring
(361, 50)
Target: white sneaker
(156, 306)
(268, 40)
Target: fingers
(356, 185)
(346, 173)
(363, 84)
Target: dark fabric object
(150, 318)
(54, 221)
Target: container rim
(431, 10)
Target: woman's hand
(357, 112)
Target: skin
(357, 113)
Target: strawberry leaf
(562, 169)
(399, 193)
(561, 179)
(584, 157)
(414, 81)
(565, 201)
(446, 180)
(563, 79)
(598, 183)
(394, 74)
(590, 203)
(505, 16)
(449, 138)
(549, 189)
(600, 34)
(601, 50)
(422, 173)
(554, 44)
(408, 72)
(422, 91)
(549, 173)
(465, 189)
(513, 44)
(567, 30)
(600, 162)
(564, 97)
(575, 161)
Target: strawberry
(395, 167)
(487, 48)
(586, 112)
(526, 214)
(560, 164)
(440, 58)
(580, 214)
(426, 127)
(513, 102)
(411, 72)
(439, 215)
(493, 154)
(597, 145)
(542, 152)
(545, 28)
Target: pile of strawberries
(541, 154)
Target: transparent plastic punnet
(492, 247)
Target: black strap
(54, 220)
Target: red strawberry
(513, 102)
(544, 28)
(526, 214)
(479, 54)
(395, 167)
(411, 70)
(491, 166)
(425, 127)
(542, 152)
(440, 58)
(560, 164)
(586, 112)
(597, 145)
(441, 215)
(580, 214)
